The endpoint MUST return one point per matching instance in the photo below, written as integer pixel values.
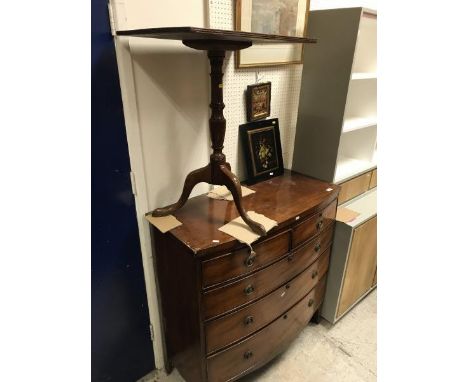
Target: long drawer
(235, 326)
(265, 344)
(243, 261)
(317, 223)
(226, 298)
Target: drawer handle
(320, 224)
(248, 354)
(290, 257)
(314, 274)
(250, 259)
(249, 289)
(288, 286)
(285, 316)
(311, 302)
(317, 247)
(248, 320)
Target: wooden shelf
(365, 205)
(363, 76)
(193, 33)
(352, 124)
(350, 167)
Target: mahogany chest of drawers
(227, 309)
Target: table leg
(232, 183)
(197, 176)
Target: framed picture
(279, 17)
(262, 149)
(258, 101)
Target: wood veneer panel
(362, 262)
(235, 264)
(373, 181)
(258, 348)
(226, 298)
(354, 187)
(239, 324)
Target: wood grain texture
(361, 265)
(194, 33)
(188, 335)
(244, 261)
(373, 181)
(235, 326)
(282, 199)
(248, 354)
(354, 187)
(224, 299)
(312, 226)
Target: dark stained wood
(245, 261)
(186, 258)
(283, 199)
(240, 358)
(216, 42)
(235, 326)
(224, 299)
(193, 33)
(312, 226)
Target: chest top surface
(282, 198)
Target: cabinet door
(361, 266)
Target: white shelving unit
(336, 137)
(336, 130)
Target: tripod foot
(197, 176)
(232, 183)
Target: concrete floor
(345, 352)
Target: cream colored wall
(165, 97)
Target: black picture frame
(258, 101)
(262, 149)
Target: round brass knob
(249, 289)
(314, 274)
(248, 320)
(248, 354)
(317, 247)
(288, 286)
(285, 316)
(320, 224)
(311, 302)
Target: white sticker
(283, 294)
(215, 241)
(271, 173)
(329, 189)
(298, 217)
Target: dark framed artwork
(262, 149)
(258, 101)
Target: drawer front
(240, 324)
(239, 293)
(317, 223)
(267, 343)
(373, 181)
(354, 187)
(244, 261)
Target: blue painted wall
(120, 340)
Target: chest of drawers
(228, 309)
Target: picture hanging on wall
(277, 17)
(262, 149)
(258, 99)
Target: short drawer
(244, 261)
(240, 324)
(265, 344)
(354, 187)
(317, 223)
(226, 298)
